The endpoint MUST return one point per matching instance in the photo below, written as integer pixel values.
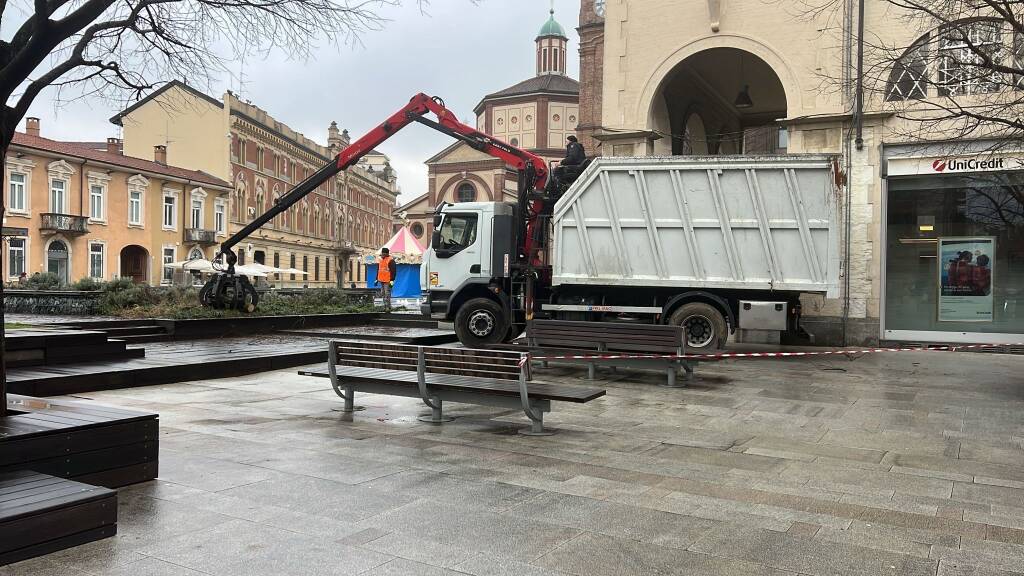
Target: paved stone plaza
(896, 464)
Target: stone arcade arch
(693, 104)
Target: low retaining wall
(51, 302)
(242, 326)
(249, 325)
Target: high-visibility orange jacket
(386, 269)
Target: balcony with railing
(200, 236)
(64, 224)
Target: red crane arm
(415, 111)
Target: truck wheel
(704, 326)
(480, 322)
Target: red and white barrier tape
(722, 355)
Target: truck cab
(466, 270)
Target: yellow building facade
(321, 235)
(91, 211)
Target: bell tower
(591, 32)
(551, 42)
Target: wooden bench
(436, 375)
(565, 338)
(40, 514)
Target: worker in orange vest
(387, 269)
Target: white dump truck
(710, 243)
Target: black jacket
(574, 154)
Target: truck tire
(705, 327)
(480, 323)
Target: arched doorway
(701, 108)
(135, 263)
(57, 260)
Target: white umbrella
(197, 265)
(205, 266)
(264, 268)
(249, 270)
(293, 271)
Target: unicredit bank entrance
(953, 266)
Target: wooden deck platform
(56, 346)
(40, 514)
(168, 362)
(79, 440)
(181, 361)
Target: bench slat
(537, 390)
(501, 372)
(446, 361)
(411, 350)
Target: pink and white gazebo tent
(404, 247)
(408, 254)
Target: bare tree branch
(122, 48)
(957, 72)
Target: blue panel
(407, 283)
(371, 276)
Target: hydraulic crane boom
(229, 290)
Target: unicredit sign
(923, 165)
(968, 164)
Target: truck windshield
(458, 231)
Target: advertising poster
(965, 279)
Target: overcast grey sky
(460, 51)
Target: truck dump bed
(734, 222)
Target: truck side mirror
(435, 239)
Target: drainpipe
(81, 189)
(857, 128)
(859, 113)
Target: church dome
(552, 28)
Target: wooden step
(40, 514)
(141, 338)
(134, 330)
(414, 322)
(100, 349)
(110, 350)
(24, 339)
(79, 440)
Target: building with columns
(727, 77)
(536, 114)
(263, 158)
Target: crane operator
(575, 156)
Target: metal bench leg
(436, 416)
(688, 367)
(591, 371)
(345, 392)
(432, 402)
(536, 416)
(671, 377)
(534, 412)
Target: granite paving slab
(896, 465)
